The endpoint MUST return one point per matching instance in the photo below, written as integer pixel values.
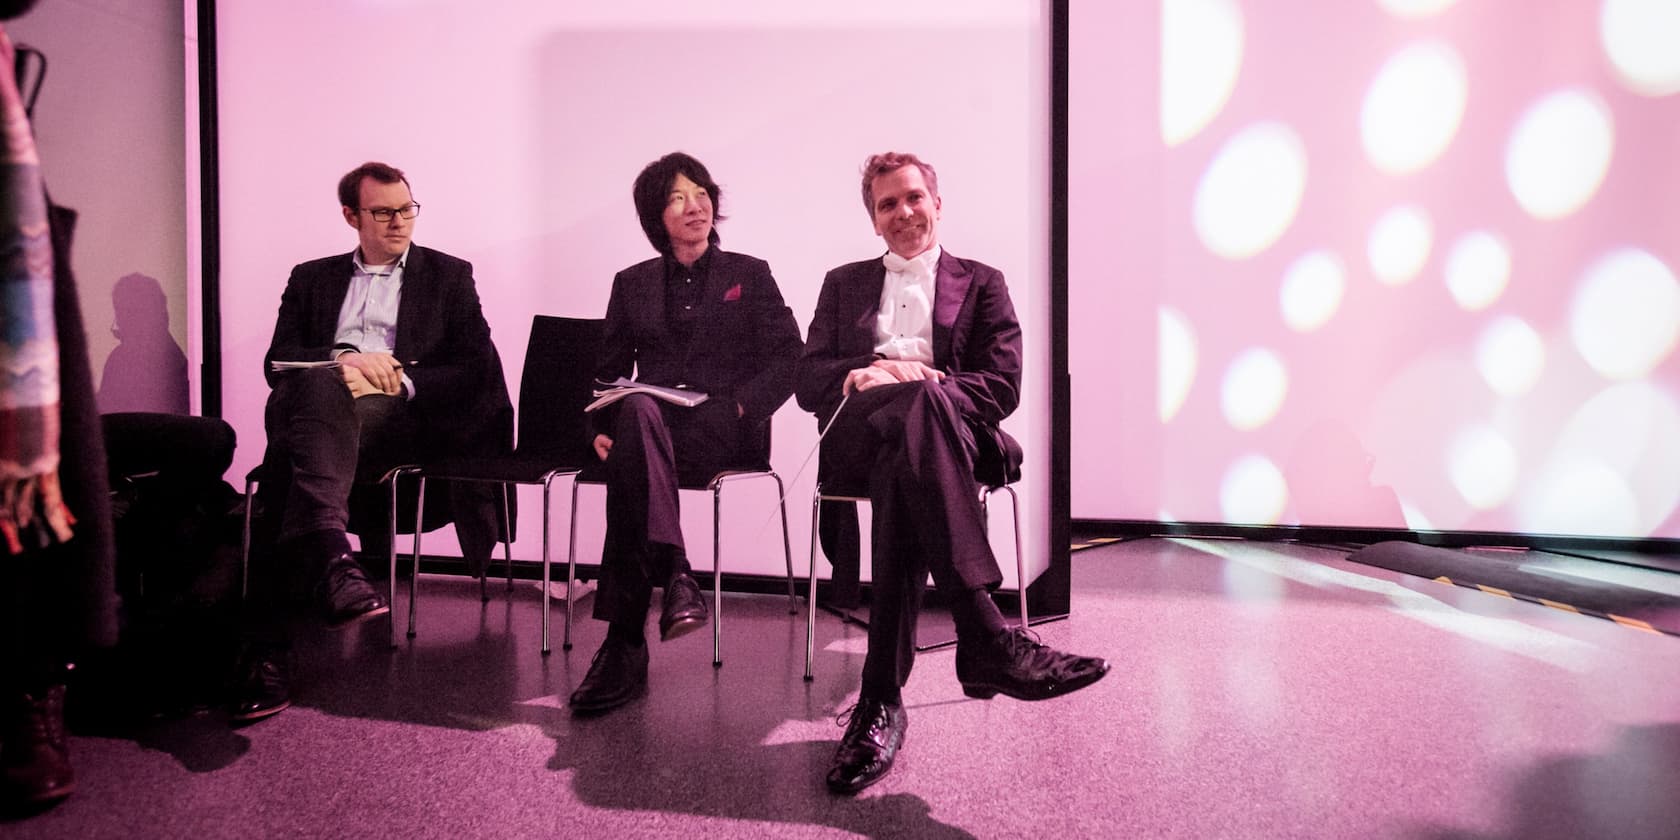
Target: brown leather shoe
(35, 759)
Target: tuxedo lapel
(868, 303)
(951, 286)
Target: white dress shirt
(368, 318)
(904, 326)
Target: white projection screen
(1401, 264)
(521, 126)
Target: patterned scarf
(32, 511)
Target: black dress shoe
(873, 736)
(35, 758)
(685, 608)
(346, 595)
(617, 675)
(1017, 665)
(263, 686)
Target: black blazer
(460, 395)
(976, 339)
(743, 348)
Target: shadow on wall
(147, 371)
(1329, 479)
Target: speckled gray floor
(1258, 691)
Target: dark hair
(888, 162)
(653, 188)
(350, 186)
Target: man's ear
(351, 217)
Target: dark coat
(976, 340)
(460, 393)
(743, 349)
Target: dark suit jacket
(976, 340)
(743, 348)
(443, 341)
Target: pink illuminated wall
(522, 125)
(1408, 263)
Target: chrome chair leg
(811, 591)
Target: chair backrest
(557, 382)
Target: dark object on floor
(177, 526)
(617, 675)
(1019, 666)
(874, 733)
(35, 758)
(684, 610)
(1570, 583)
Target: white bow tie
(900, 265)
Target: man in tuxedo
(694, 317)
(911, 362)
(416, 377)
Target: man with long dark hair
(698, 318)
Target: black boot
(35, 758)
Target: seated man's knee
(638, 410)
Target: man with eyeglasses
(416, 376)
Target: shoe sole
(858, 786)
(253, 717)
(682, 627)
(358, 618)
(986, 691)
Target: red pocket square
(734, 293)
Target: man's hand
(908, 371)
(381, 370)
(887, 372)
(357, 383)
(603, 445)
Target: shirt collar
(356, 261)
(674, 269)
(928, 260)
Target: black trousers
(909, 446)
(657, 448)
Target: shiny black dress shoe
(346, 596)
(262, 687)
(1018, 665)
(867, 750)
(685, 608)
(617, 675)
(35, 758)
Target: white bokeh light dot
(1642, 40)
(1482, 465)
(1511, 356)
(1253, 492)
(1413, 108)
(1399, 244)
(1414, 9)
(1625, 318)
(1178, 362)
(1251, 192)
(1478, 270)
(1201, 55)
(1629, 428)
(1254, 389)
(1559, 152)
(1578, 494)
(1312, 290)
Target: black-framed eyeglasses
(385, 214)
